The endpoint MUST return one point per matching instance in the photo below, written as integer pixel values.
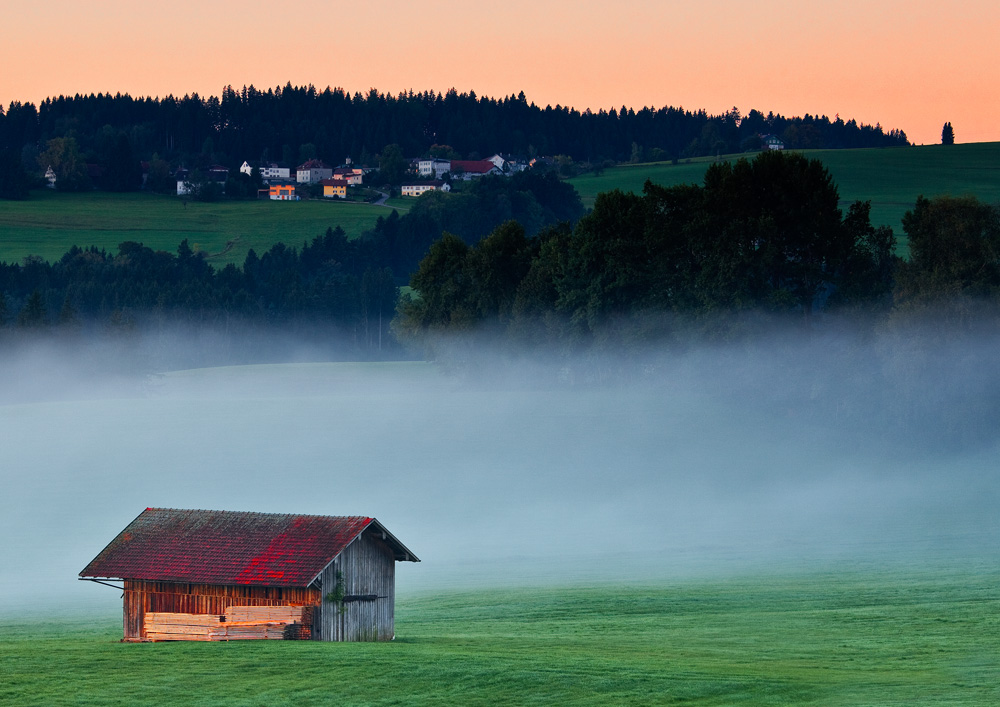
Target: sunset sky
(911, 65)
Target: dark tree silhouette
(947, 134)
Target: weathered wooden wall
(368, 568)
(183, 598)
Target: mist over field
(713, 460)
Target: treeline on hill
(760, 252)
(349, 285)
(292, 124)
(762, 235)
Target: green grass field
(49, 223)
(879, 637)
(891, 178)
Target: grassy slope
(49, 223)
(843, 638)
(891, 178)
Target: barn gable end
(367, 571)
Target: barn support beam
(97, 581)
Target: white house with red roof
(472, 169)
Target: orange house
(283, 192)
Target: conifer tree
(947, 134)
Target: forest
(295, 123)
(348, 285)
(519, 255)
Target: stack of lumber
(239, 623)
(162, 626)
(248, 630)
(286, 614)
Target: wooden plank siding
(368, 568)
(142, 597)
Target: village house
(433, 167)
(274, 171)
(472, 169)
(352, 175)
(282, 191)
(312, 171)
(418, 188)
(772, 142)
(228, 575)
(334, 188)
(268, 171)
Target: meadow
(49, 223)
(627, 546)
(846, 636)
(891, 178)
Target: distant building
(418, 188)
(472, 169)
(50, 178)
(283, 192)
(433, 168)
(273, 171)
(352, 175)
(334, 188)
(772, 142)
(312, 171)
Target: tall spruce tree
(947, 134)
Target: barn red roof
(231, 547)
(473, 166)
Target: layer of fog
(702, 466)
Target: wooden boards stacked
(180, 627)
(238, 623)
(286, 614)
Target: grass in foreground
(49, 223)
(821, 639)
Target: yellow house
(334, 188)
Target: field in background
(891, 178)
(49, 223)
(845, 637)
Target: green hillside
(49, 223)
(891, 178)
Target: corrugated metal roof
(230, 547)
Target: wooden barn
(225, 575)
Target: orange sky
(910, 65)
